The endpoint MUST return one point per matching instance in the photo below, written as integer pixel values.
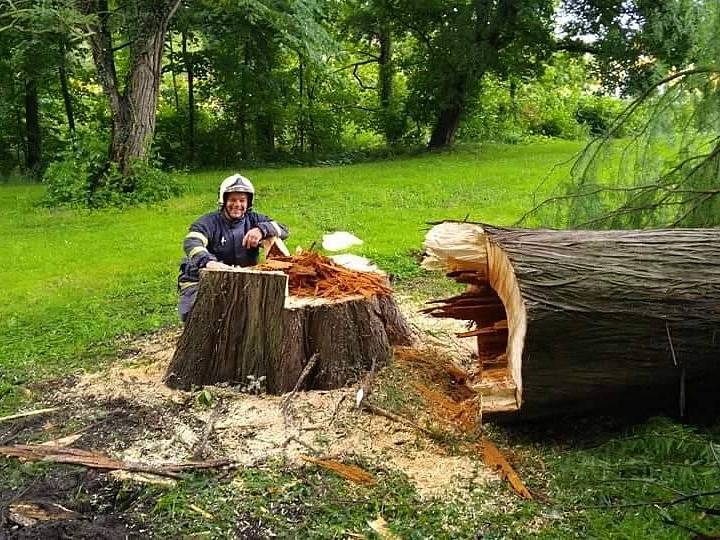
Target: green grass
(74, 281)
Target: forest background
(98, 98)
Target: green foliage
(632, 485)
(665, 172)
(598, 113)
(84, 178)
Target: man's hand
(252, 238)
(217, 265)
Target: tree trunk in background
(301, 89)
(265, 129)
(67, 98)
(446, 126)
(174, 77)
(385, 84)
(243, 327)
(33, 155)
(132, 111)
(385, 66)
(190, 69)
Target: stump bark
(244, 325)
(587, 319)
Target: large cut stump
(568, 321)
(245, 326)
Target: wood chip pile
(313, 275)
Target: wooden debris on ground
(95, 460)
(463, 414)
(380, 526)
(29, 513)
(287, 399)
(433, 364)
(314, 275)
(349, 472)
(26, 414)
(64, 441)
(199, 449)
(374, 409)
(494, 459)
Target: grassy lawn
(76, 281)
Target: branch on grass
(94, 460)
(199, 451)
(285, 402)
(369, 407)
(36, 412)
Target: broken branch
(27, 413)
(94, 460)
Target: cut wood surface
(594, 318)
(244, 327)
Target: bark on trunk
(33, 156)
(133, 111)
(190, 69)
(67, 98)
(243, 326)
(385, 67)
(595, 319)
(446, 126)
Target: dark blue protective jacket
(213, 237)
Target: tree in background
(372, 25)
(458, 43)
(38, 38)
(143, 23)
(668, 173)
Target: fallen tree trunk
(577, 320)
(245, 327)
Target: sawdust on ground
(251, 429)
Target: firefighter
(229, 237)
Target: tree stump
(244, 325)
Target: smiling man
(230, 236)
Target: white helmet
(236, 184)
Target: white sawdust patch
(251, 429)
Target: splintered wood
(496, 460)
(313, 275)
(451, 401)
(487, 322)
(349, 472)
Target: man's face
(236, 205)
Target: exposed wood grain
(589, 312)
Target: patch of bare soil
(77, 504)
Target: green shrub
(598, 113)
(85, 178)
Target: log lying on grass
(245, 326)
(576, 320)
